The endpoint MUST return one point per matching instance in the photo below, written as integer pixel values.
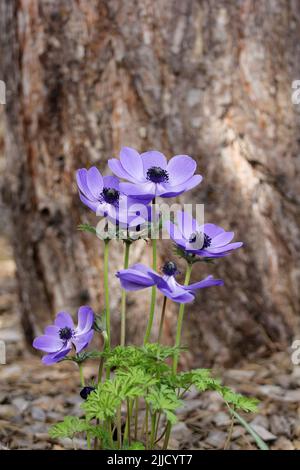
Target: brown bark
(208, 78)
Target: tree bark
(211, 79)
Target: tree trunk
(211, 79)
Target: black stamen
(84, 393)
(65, 333)
(111, 196)
(157, 175)
(206, 239)
(169, 268)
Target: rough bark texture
(208, 78)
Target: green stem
(119, 427)
(82, 382)
(180, 319)
(167, 436)
(153, 428)
(154, 267)
(147, 431)
(106, 292)
(161, 325)
(123, 298)
(136, 415)
(177, 344)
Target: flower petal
(111, 182)
(132, 163)
(55, 357)
(175, 233)
(83, 340)
(186, 224)
(64, 319)
(48, 343)
(222, 239)
(135, 278)
(153, 158)
(93, 205)
(172, 191)
(209, 281)
(211, 230)
(52, 330)
(224, 249)
(81, 178)
(117, 168)
(85, 319)
(180, 169)
(144, 192)
(95, 182)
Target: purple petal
(135, 278)
(93, 205)
(222, 239)
(175, 232)
(81, 178)
(186, 224)
(95, 181)
(180, 169)
(153, 158)
(224, 249)
(211, 230)
(144, 192)
(117, 168)
(172, 191)
(85, 319)
(48, 343)
(52, 330)
(55, 357)
(209, 281)
(64, 319)
(111, 182)
(178, 295)
(132, 163)
(83, 340)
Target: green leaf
(134, 446)
(70, 426)
(163, 399)
(87, 228)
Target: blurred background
(208, 78)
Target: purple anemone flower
(102, 195)
(139, 277)
(206, 240)
(151, 175)
(60, 337)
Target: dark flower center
(84, 393)
(206, 239)
(157, 175)
(65, 333)
(169, 268)
(111, 196)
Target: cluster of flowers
(148, 176)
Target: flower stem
(177, 344)
(154, 267)
(82, 382)
(123, 298)
(180, 319)
(136, 415)
(119, 427)
(106, 292)
(163, 311)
